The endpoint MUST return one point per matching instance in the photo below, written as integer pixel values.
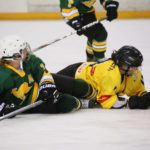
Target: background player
(78, 13)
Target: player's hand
(76, 24)
(139, 102)
(47, 91)
(111, 8)
(6, 108)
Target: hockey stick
(23, 109)
(72, 33)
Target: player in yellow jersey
(78, 13)
(113, 78)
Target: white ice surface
(95, 129)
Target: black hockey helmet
(127, 55)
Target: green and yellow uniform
(21, 86)
(108, 83)
(72, 8)
(85, 12)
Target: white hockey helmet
(11, 45)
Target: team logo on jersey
(21, 91)
(92, 70)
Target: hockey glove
(111, 8)
(76, 24)
(139, 102)
(47, 91)
(6, 108)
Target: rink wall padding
(57, 15)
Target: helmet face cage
(11, 47)
(128, 56)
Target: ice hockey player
(24, 79)
(113, 78)
(78, 13)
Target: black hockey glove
(6, 108)
(76, 24)
(111, 8)
(47, 91)
(139, 102)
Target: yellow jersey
(108, 83)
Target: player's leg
(67, 103)
(99, 42)
(69, 85)
(69, 70)
(96, 37)
(89, 50)
(66, 100)
(63, 104)
(86, 19)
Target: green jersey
(20, 87)
(73, 8)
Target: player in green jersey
(78, 13)
(24, 79)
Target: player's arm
(112, 102)
(107, 91)
(36, 66)
(69, 9)
(43, 77)
(108, 98)
(39, 70)
(71, 15)
(141, 99)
